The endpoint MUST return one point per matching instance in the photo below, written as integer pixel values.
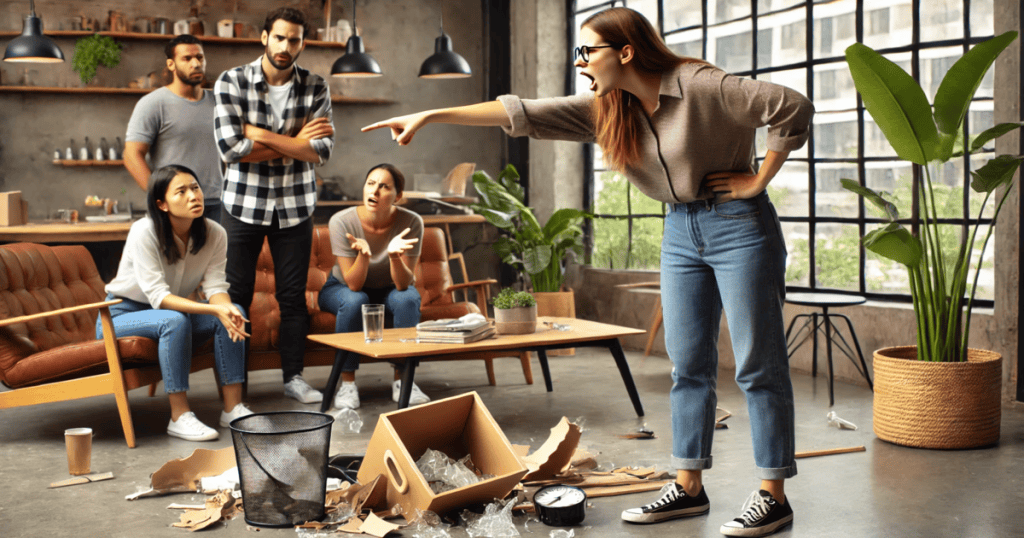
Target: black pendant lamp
(32, 45)
(444, 63)
(355, 62)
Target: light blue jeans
(730, 257)
(335, 296)
(177, 336)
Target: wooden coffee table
(399, 346)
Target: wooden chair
(648, 287)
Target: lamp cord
(354, 27)
(32, 7)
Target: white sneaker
(298, 389)
(239, 411)
(416, 398)
(189, 428)
(347, 397)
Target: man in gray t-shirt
(174, 125)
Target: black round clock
(560, 505)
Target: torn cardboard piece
(220, 507)
(183, 475)
(375, 526)
(84, 479)
(556, 453)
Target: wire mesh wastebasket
(282, 466)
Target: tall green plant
(930, 135)
(536, 250)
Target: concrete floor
(886, 491)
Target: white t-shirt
(279, 101)
(144, 275)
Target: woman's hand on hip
(403, 128)
(728, 186)
(358, 244)
(399, 244)
(233, 321)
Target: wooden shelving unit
(336, 99)
(90, 162)
(133, 36)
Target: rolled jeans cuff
(776, 473)
(698, 464)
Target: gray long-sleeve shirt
(705, 122)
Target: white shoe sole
(758, 531)
(207, 437)
(635, 515)
(317, 398)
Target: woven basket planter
(945, 405)
(519, 320)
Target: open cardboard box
(457, 426)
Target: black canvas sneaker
(673, 503)
(762, 515)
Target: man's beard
(186, 79)
(280, 66)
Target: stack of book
(454, 331)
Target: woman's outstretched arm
(403, 128)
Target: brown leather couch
(50, 297)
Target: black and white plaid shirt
(253, 192)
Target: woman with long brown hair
(682, 131)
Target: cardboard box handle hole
(395, 475)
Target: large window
(801, 44)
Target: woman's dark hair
(289, 14)
(159, 181)
(617, 126)
(396, 175)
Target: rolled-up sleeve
(555, 118)
(229, 128)
(214, 281)
(785, 111)
(322, 103)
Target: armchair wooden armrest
(482, 288)
(41, 315)
(110, 383)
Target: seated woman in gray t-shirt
(378, 246)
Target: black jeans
(290, 250)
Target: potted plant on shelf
(93, 51)
(939, 393)
(538, 251)
(515, 312)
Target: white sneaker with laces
(416, 398)
(298, 389)
(239, 411)
(347, 397)
(189, 428)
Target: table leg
(828, 355)
(542, 357)
(627, 377)
(332, 380)
(408, 373)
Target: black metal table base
(409, 371)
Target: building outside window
(801, 44)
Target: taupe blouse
(705, 122)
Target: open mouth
(371, 201)
(593, 83)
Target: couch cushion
(79, 360)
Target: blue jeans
(177, 336)
(403, 306)
(730, 257)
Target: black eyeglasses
(584, 51)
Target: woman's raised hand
(233, 321)
(728, 186)
(358, 244)
(399, 244)
(403, 128)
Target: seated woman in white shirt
(166, 258)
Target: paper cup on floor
(79, 445)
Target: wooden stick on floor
(830, 451)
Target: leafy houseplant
(515, 312)
(931, 135)
(536, 250)
(93, 51)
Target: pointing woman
(683, 131)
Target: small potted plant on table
(515, 312)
